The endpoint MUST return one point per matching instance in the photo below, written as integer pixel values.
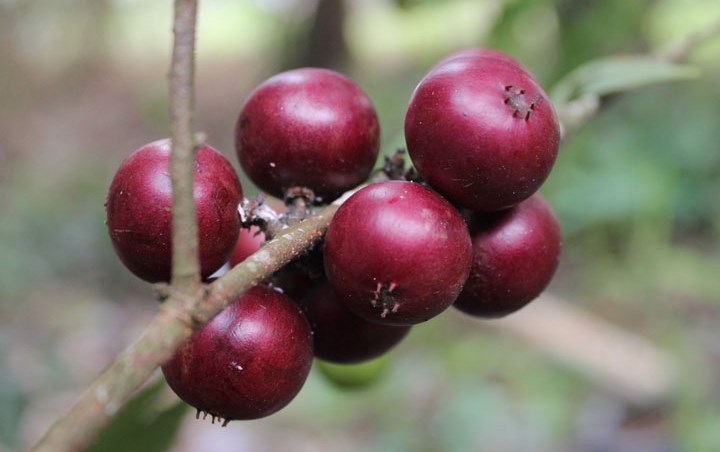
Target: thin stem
(185, 266)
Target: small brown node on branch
(394, 166)
(412, 175)
(256, 212)
(162, 291)
(299, 201)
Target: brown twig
(185, 265)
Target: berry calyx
(339, 335)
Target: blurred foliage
(12, 403)
(613, 75)
(83, 83)
(129, 428)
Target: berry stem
(185, 264)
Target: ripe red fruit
(292, 279)
(248, 362)
(397, 253)
(515, 255)
(481, 131)
(341, 336)
(249, 240)
(139, 210)
(307, 127)
(481, 53)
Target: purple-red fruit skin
(515, 255)
(307, 127)
(341, 336)
(397, 253)
(481, 131)
(481, 53)
(249, 241)
(248, 362)
(291, 279)
(139, 210)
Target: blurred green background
(83, 83)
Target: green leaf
(142, 425)
(617, 74)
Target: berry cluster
(469, 230)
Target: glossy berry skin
(515, 255)
(481, 131)
(342, 337)
(139, 210)
(481, 53)
(307, 127)
(291, 279)
(248, 362)
(249, 241)
(397, 253)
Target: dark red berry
(301, 275)
(250, 361)
(249, 240)
(481, 53)
(515, 255)
(397, 253)
(341, 336)
(139, 210)
(292, 279)
(482, 132)
(307, 127)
